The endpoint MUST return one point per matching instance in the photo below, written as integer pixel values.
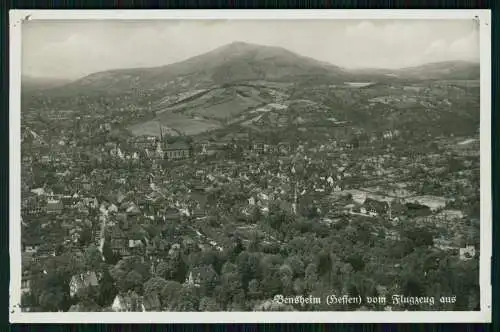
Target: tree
(248, 266)
(85, 236)
(165, 270)
(324, 263)
(209, 304)
(238, 248)
(170, 292)
(187, 299)
(52, 299)
(107, 290)
(271, 283)
(93, 258)
(419, 236)
(311, 276)
(356, 261)
(298, 286)
(286, 277)
(256, 216)
(130, 273)
(109, 255)
(230, 286)
(254, 290)
(229, 267)
(28, 300)
(133, 281)
(154, 285)
(173, 268)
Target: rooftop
(177, 146)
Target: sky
(73, 49)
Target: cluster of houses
(288, 174)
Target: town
(227, 220)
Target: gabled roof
(85, 280)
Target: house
(134, 243)
(119, 243)
(258, 146)
(199, 275)
(54, 206)
(193, 281)
(25, 284)
(133, 210)
(445, 245)
(82, 281)
(44, 252)
(119, 247)
(450, 215)
(467, 253)
(172, 214)
(203, 146)
(283, 148)
(86, 185)
(375, 208)
(128, 302)
(31, 248)
(178, 150)
(392, 235)
(38, 191)
(112, 208)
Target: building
(54, 206)
(127, 303)
(177, 150)
(31, 248)
(203, 147)
(467, 253)
(258, 146)
(143, 143)
(25, 284)
(82, 281)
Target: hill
(228, 64)
(449, 70)
(264, 88)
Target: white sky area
(72, 49)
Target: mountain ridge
(240, 61)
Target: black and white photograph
(189, 166)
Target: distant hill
(449, 70)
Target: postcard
(250, 166)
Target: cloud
(79, 48)
(461, 48)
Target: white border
(16, 316)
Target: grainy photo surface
(250, 165)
